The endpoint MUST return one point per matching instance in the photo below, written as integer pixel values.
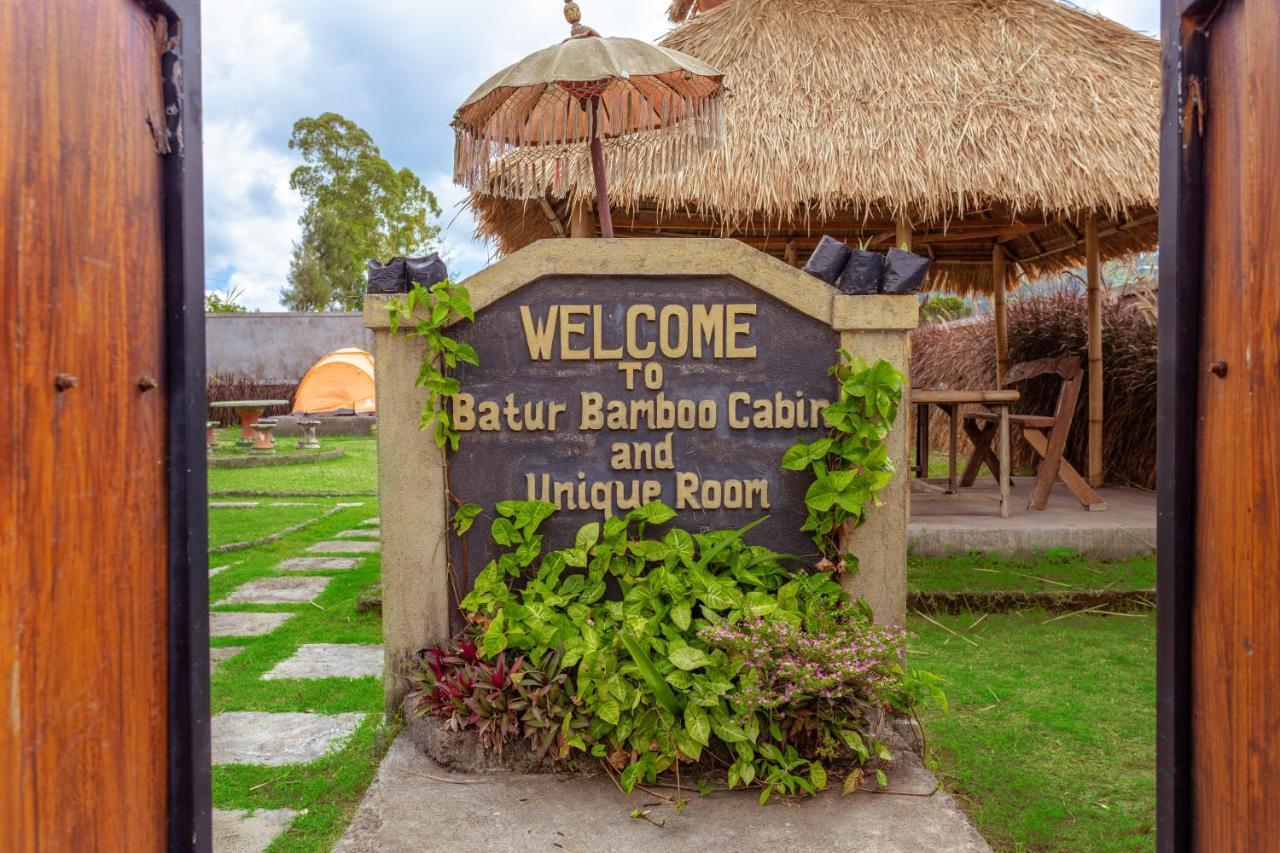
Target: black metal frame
(188, 764)
(1181, 265)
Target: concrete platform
(949, 525)
(415, 805)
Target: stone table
(250, 412)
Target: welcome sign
(601, 394)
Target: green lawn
(1053, 571)
(356, 473)
(244, 524)
(1049, 743)
(326, 792)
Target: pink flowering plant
(670, 653)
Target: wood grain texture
(82, 479)
(1236, 613)
(1093, 265)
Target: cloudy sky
(398, 68)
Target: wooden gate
(97, 674)
(1219, 734)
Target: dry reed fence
(222, 387)
(962, 355)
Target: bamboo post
(597, 166)
(999, 284)
(582, 221)
(1092, 253)
(904, 233)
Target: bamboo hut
(1006, 139)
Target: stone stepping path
(330, 660)
(223, 624)
(275, 739)
(362, 533)
(327, 564)
(347, 547)
(281, 590)
(237, 831)
(372, 522)
(218, 570)
(219, 654)
(233, 505)
(294, 503)
(350, 505)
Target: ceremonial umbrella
(586, 89)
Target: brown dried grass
(847, 111)
(222, 387)
(962, 355)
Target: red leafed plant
(501, 700)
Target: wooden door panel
(1236, 614)
(83, 501)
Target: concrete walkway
(415, 805)
(949, 525)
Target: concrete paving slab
(412, 807)
(237, 831)
(260, 737)
(218, 654)
(281, 590)
(294, 503)
(218, 570)
(362, 533)
(330, 660)
(966, 522)
(350, 505)
(233, 504)
(372, 522)
(328, 564)
(344, 547)
(224, 624)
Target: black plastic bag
(828, 260)
(391, 277)
(427, 271)
(905, 272)
(863, 274)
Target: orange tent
(341, 383)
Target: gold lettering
(634, 349)
(591, 415)
(554, 410)
(680, 346)
(708, 329)
(489, 416)
(568, 328)
(758, 493)
(464, 412)
(630, 368)
(597, 328)
(734, 329)
(737, 421)
(687, 491)
(733, 494)
(538, 337)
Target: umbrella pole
(597, 166)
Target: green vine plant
(851, 465)
(431, 311)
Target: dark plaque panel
(716, 477)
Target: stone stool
(308, 440)
(210, 440)
(264, 441)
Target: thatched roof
(978, 120)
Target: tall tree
(358, 207)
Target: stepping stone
(224, 624)
(372, 522)
(218, 654)
(233, 505)
(328, 564)
(285, 590)
(294, 503)
(350, 506)
(262, 737)
(344, 548)
(363, 533)
(213, 572)
(330, 660)
(237, 831)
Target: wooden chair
(981, 429)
